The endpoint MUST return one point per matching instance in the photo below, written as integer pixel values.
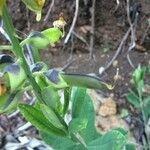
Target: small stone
(115, 63)
(108, 108)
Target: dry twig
(103, 69)
(49, 10)
(144, 35)
(93, 29)
(133, 37)
(73, 22)
(81, 38)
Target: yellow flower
(2, 3)
(41, 3)
(60, 23)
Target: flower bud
(35, 6)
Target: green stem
(35, 54)
(5, 47)
(17, 49)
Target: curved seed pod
(9, 101)
(52, 75)
(38, 67)
(38, 40)
(11, 73)
(5, 58)
(53, 78)
(84, 80)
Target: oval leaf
(51, 116)
(36, 118)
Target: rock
(107, 108)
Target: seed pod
(35, 6)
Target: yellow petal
(41, 3)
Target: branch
(103, 69)
(133, 37)
(49, 10)
(93, 29)
(73, 23)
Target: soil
(110, 26)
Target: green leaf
(78, 103)
(53, 35)
(124, 113)
(77, 124)
(11, 105)
(51, 116)
(3, 100)
(67, 94)
(36, 118)
(57, 142)
(147, 100)
(83, 80)
(113, 140)
(138, 75)
(130, 147)
(86, 111)
(52, 98)
(133, 99)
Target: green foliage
(82, 124)
(138, 78)
(113, 140)
(37, 118)
(133, 99)
(35, 6)
(50, 110)
(130, 147)
(53, 35)
(8, 103)
(15, 72)
(52, 98)
(51, 116)
(138, 99)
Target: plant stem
(17, 49)
(5, 47)
(144, 118)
